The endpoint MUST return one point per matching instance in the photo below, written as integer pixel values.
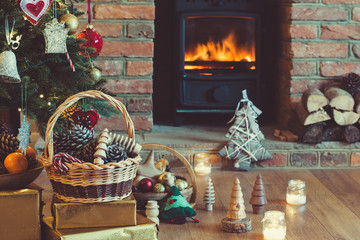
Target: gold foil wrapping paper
(144, 230)
(83, 215)
(20, 214)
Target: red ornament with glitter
(94, 40)
(87, 119)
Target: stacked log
(332, 115)
(342, 105)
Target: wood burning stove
(218, 54)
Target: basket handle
(49, 147)
(181, 158)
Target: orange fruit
(15, 162)
(30, 152)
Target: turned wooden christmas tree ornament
(236, 220)
(127, 143)
(209, 196)
(258, 199)
(152, 211)
(101, 148)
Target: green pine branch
(49, 78)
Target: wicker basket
(87, 182)
(189, 193)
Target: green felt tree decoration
(177, 208)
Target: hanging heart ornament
(34, 10)
(88, 119)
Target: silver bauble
(181, 184)
(95, 74)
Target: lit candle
(274, 233)
(296, 192)
(202, 164)
(274, 225)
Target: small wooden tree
(209, 196)
(258, 199)
(236, 220)
(101, 148)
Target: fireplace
(206, 52)
(218, 55)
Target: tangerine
(15, 162)
(30, 152)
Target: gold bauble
(71, 22)
(95, 74)
(159, 188)
(161, 178)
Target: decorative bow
(249, 104)
(14, 44)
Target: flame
(226, 50)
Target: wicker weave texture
(88, 182)
(189, 194)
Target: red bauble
(146, 185)
(94, 40)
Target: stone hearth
(191, 139)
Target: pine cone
(351, 83)
(8, 144)
(115, 154)
(61, 141)
(80, 136)
(4, 128)
(68, 112)
(86, 153)
(72, 142)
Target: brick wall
(320, 42)
(126, 59)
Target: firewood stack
(331, 115)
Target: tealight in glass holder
(296, 192)
(274, 225)
(202, 164)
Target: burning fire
(226, 50)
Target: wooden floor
(332, 210)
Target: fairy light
(19, 109)
(49, 103)
(41, 96)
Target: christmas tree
(236, 220)
(47, 79)
(209, 195)
(236, 208)
(177, 209)
(258, 199)
(245, 136)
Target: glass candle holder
(202, 164)
(274, 225)
(296, 192)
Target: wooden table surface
(332, 210)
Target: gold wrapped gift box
(144, 230)
(82, 215)
(20, 214)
